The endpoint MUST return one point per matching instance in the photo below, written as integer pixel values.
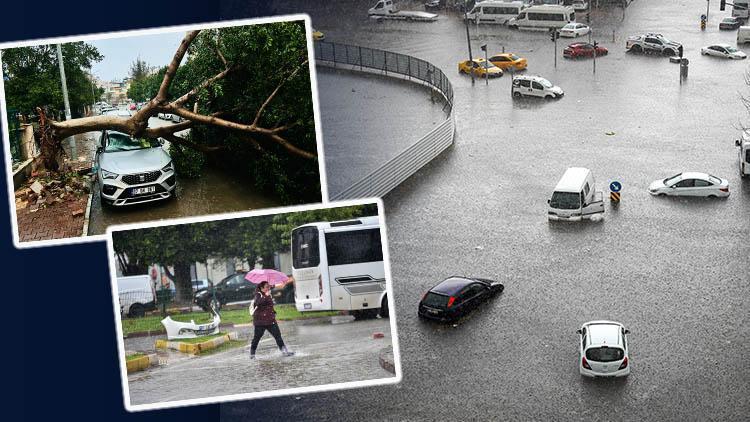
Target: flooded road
(216, 191)
(675, 271)
(325, 353)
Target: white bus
(543, 17)
(491, 11)
(339, 266)
(740, 9)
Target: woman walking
(264, 318)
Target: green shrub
(187, 161)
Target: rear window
(605, 354)
(435, 300)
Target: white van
(543, 17)
(744, 152)
(575, 197)
(740, 9)
(137, 295)
(534, 86)
(743, 34)
(491, 11)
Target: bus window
(305, 251)
(353, 247)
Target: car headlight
(108, 174)
(167, 168)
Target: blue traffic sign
(615, 186)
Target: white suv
(132, 171)
(603, 349)
(535, 86)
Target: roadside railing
(399, 168)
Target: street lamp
(468, 41)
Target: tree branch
(182, 141)
(190, 94)
(273, 94)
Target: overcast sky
(119, 53)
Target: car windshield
(604, 354)
(565, 201)
(435, 300)
(730, 49)
(121, 142)
(570, 26)
(672, 180)
(546, 83)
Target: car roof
(530, 77)
(452, 285)
(579, 44)
(572, 180)
(720, 45)
(603, 332)
(694, 175)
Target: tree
(248, 238)
(139, 72)
(250, 81)
(33, 77)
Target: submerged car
(574, 29)
(583, 49)
(725, 51)
(507, 61)
(480, 67)
(730, 22)
(690, 184)
(535, 86)
(133, 170)
(454, 297)
(603, 349)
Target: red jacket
(264, 314)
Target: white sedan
(723, 50)
(574, 29)
(691, 184)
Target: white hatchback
(603, 348)
(690, 184)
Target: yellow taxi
(480, 68)
(506, 61)
(317, 35)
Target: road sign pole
(468, 42)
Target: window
(435, 300)
(747, 156)
(653, 41)
(537, 85)
(624, 342)
(586, 189)
(605, 354)
(524, 83)
(700, 183)
(687, 183)
(354, 247)
(305, 250)
(583, 338)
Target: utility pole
(71, 140)
(708, 3)
(486, 65)
(555, 36)
(595, 44)
(468, 41)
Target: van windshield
(565, 201)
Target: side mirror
(673, 186)
(737, 142)
(627, 331)
(548, 201)
(579, 331)
(99, 150)
(161, 141)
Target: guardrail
(399, 168)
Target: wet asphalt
(676, 272)
(325, 353)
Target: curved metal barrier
(399, 168)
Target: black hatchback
(454, 297)
(730, 23)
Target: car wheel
(712, 196)
(636, 49)
(516, 94)
(384, 307)
(549, 97)
(661, 195)
(137, 311)
(668, 52)
(215, 304)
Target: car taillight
(584, 363)
(450, 301)
(624, 363)
(724, 189)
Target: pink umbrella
(273, 277)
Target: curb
(195, 348)
(386, 359)
(142, 363)
(87, 216)
(150, 333)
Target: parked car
(284, 293)
(132, 106)
(201, 284)
(725, 51)
(507, 61)
(176, 118)
(133, 170)
(691, 184)
(652, 43)
(136, 295)
(730, 22)
(575, 197)
(583, 49)
(233, 288)
(454, 297)
(117, 112)
(535, 86)
(574, 29)
(480, 67)
(603, 348)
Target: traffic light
(723, 5)
(703, 22)
(554, 35)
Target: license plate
(143, 191)
(432, 311)
(308, 305)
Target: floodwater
(675, 271)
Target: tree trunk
(182, 282)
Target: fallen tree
(220, 98)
